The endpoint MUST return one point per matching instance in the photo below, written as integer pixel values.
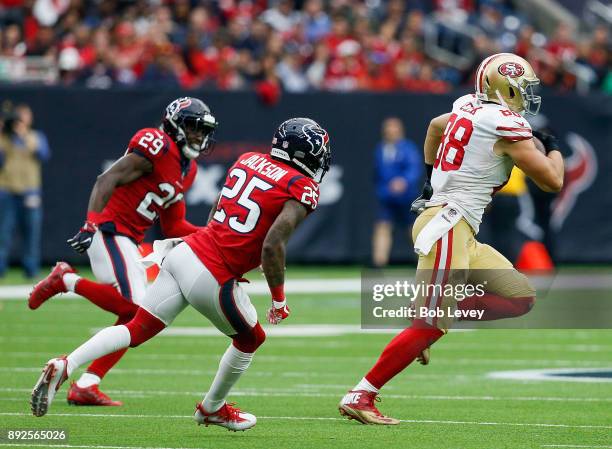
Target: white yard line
(303, 392)
(320, 418)
(83, 446)
(574, 445)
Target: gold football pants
(458, 258)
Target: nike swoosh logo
(520, 123)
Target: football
(539, 145)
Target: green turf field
(295, 383)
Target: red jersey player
(146, 184)
(264, 199)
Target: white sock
(365, 385)
(87, 380)
(108, 340)
(232, 365)
(70, 280)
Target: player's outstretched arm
(435, 131)
(127, 169)
(273, 256)
(545, 170)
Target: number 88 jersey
(467, 171)
(255, 191)
(134, 207)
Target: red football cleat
(89, 396)
(359, 405)
(50, 286)
(228, 416)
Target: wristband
(278, 293)
(93, 216)
(428, 170)
(279, 304)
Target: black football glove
(418, 205)
(549, 141)
(82, 240)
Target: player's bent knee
(250, 340)
(143, 327)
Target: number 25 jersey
(467, 171)
(134, 207)
(255, 190)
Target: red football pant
(401, 352)
(496, 307)
(107, 298)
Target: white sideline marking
(551, 375)
(322, 418)
(353, 285)
(259, 287)
(283, 392)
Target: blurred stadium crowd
(291, 45)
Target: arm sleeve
(173, 222)
(304, 190)
(149, 143)
(512, 128)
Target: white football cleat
(228, 416)
(53, 376)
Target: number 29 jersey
(255, 190)
(467, 171)
(134, 207)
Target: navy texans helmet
(304, 145)
(190, 123)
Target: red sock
(106, 297)
(103, 365)
(401, 351)
(496, 307)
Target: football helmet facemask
(303, 144)
(508, 79)
(190, 123)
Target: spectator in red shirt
(346, 71)
(127, 52)
(562, 46)
(340, 32)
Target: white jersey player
(469, 153)
(468, 171)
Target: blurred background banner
(89, 129)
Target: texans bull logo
(316, 137)
(580, 172)
(177, 105)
